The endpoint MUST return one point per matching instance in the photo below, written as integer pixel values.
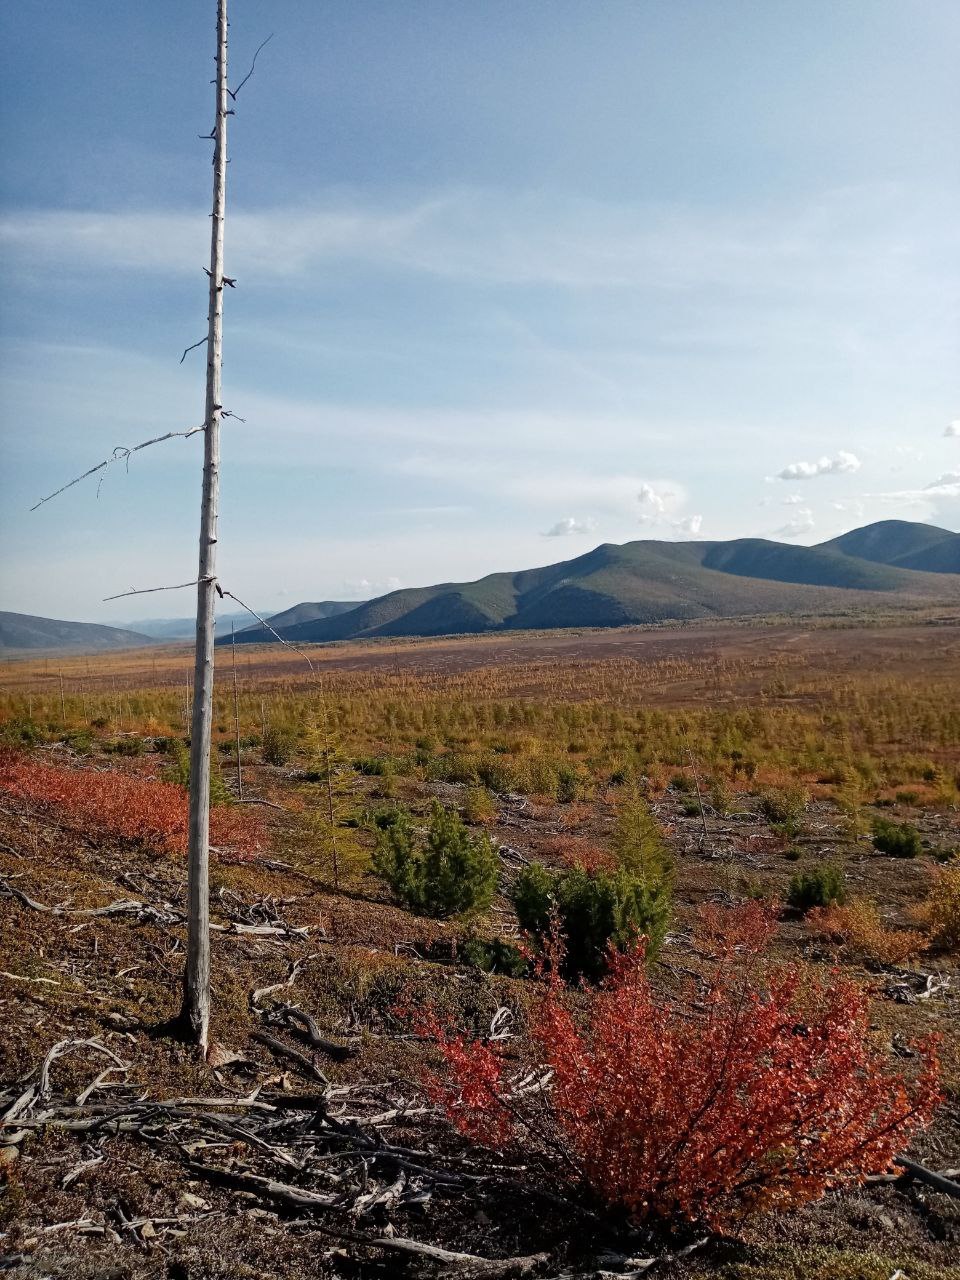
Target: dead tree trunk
(196, 989)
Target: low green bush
(279, 744)
(178, 771)
(899, 839)
(375, 766)
(454, 872)
(783, 805)
(823, 886)
(81, 741)
(569, 783)
(21, 733)
(494, 955)
(478, 805)
(594, 911)
(496, 774)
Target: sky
(514, 278)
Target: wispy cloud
(843, 463)
(947, 485)
(952, 428)
(571, 525)
(803, 522)
(505, 237)
(368, 588)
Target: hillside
(642, 582)
(309, 611)
(902, 543)
(24, 631)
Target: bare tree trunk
(196, 989)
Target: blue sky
(514, 279)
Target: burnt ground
(145, 1202)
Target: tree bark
(196, 994)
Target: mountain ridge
(25, 631)
(651, 581)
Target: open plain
(762, 752)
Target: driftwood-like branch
(307, 1067)
(192, 347)
(939, 1181)
(147, 591)
(305, 1025)
(296, 969)
(120, 454)
(451, 1261)
(234, 92)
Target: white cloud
(649, 498)
(791, 500)
(844, 463)
(801, 523)
(570, 525)
(852, 507)
(947, 485)
(367, 588)
(689, 525)
(952, 428)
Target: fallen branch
(307, 1067)
(939, 1181)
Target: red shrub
(141, 809)
(761, 1090)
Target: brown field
(859, 721)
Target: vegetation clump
(453, 872)
(495, 955)
(823, 886)
(761, 1092)
(784, 807)
(178, 771)
(859, 929)
(942, 909)
(593, 914)
(149, 812)
(899, 839)
(279, 744)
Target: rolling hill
(309, 611)
(902, 543)
(19, 631)
(650, 581)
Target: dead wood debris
(339, 1155)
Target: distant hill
(20, 631)
(640, 582)
(904, 544)
(300, 613)
(186, 628)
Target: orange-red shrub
(761, 1092)
(118, 804)
(857, 928)
(574, 851)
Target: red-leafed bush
(760, 1089)
(133, 808)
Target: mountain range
(24, 631)
(890, 564)
(893, 562)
